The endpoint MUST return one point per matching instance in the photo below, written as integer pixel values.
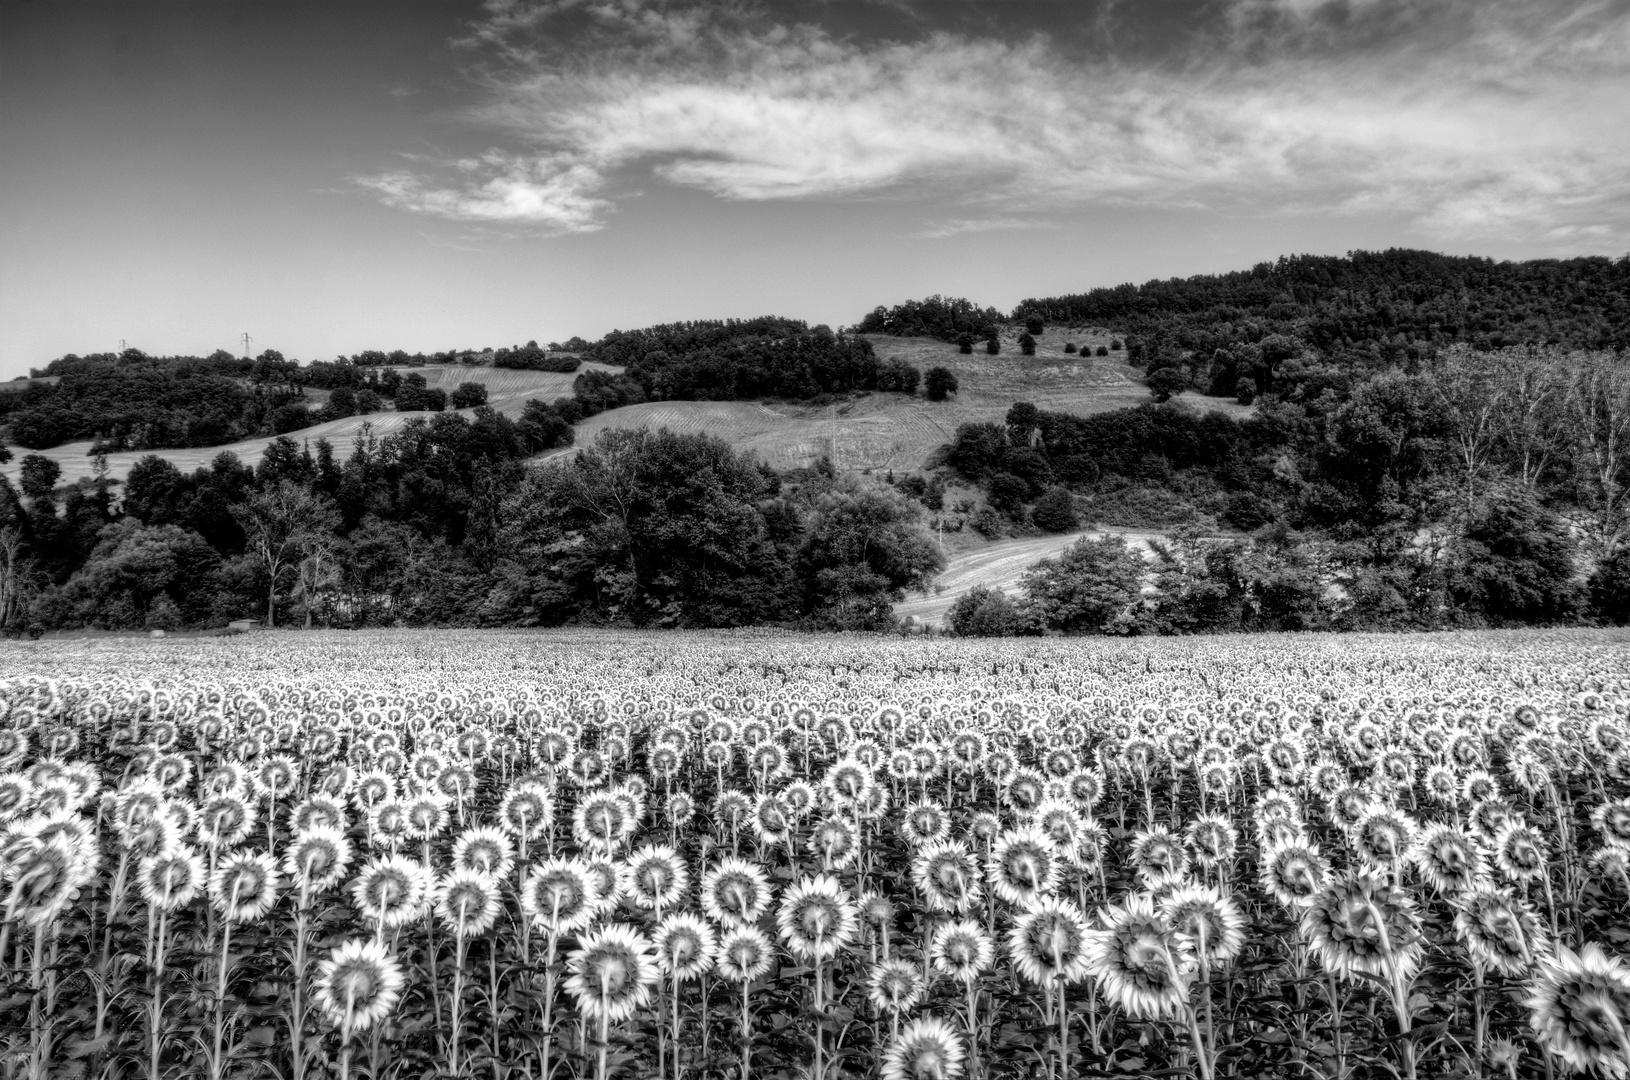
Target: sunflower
(467, 902)
(1140, 962)
(45, 879)
(1208, 919)
(1022, 866)
(1383, 836)
(388, 826)
(894, 986)
(924, 823)
(1579, 1007)
(928, 1049)
(527, 811)
(358, 985)
(1050, 942)
(744, 954)
(817, 918)
(1448, 859)
(1519, 852)
(390, 891)
(224, 820)
(736, 892)
(1294, 873)
(319, 810)
(1213, 839)
(1359, 924)
(244, 886)
(484, 849)
(962, 950)
(947, 875)
(561, 895)
(170, 880)
(836, 839)
(1612, 820)
(685, 946)
(1157, 851)
(317, 859)
(1501, 933)
(657, 877)
(427, 816)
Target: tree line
(440, 523)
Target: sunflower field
(756, 855)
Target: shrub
(1245, 391)
(1102, 351)
(1166, 384)
(1055, 511)
(1007, 492)
(986, 612)
(964, 343)
(468, 395)
(993, 347)
(939, 383)
(1116, 345)
(1034, 324)
(1610, 588)
(1090, 588)
(1027, 345)
(1069, 348)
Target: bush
(1034, 324)
(468, 395)
(1069, 348)
(1245, 391)
(985, 612)
(939, 383)
(897, 375)
(1027, 345)
(964, 343)
(993, 347)
(1249, 511)
(1116, 345)
(1102, 351)
(989, 524)
(1055, 511)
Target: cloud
(1481, 119)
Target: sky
(344, 175)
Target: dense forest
(1432, 442)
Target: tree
(1473, 397)
(1598, 403)
(863, 547)
(1090, 588)
(1166, 383)
(1034, 324)
(964, 343)
(1069, 348)
(38, 477)
(468, 395)
(1610, 588)
(1516, 563)
(143, 575)
(1027, 345)
(986, 612)
(993, 346)
(283, 523)
(1055, 511)
(939, 383)
(1007, 492)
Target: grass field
(507, 392)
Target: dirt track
(999, 565)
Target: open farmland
(507, 392)
(757, 854)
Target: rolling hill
(507, 391)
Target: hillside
(895, 431)
(507, 392)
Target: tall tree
(1599, 407)
(283, 524)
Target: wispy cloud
(1492, 118)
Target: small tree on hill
(1166, 384)
(468, 395)
(1055, 511)
(993, 346)
(1034, 324)
(939, 383)
(986, 612)
(964, 343)
(1027, 345)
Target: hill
(507, 392)
(884, 431)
